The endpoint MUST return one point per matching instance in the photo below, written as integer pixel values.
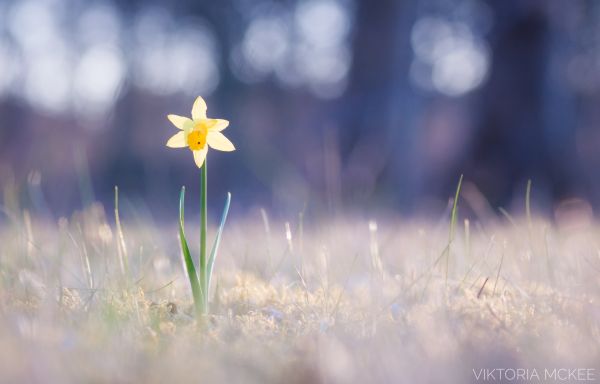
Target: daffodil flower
(199, 133)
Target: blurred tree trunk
(376, 114)
(523, 112)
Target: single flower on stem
(199, 133)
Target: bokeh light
(448, 56)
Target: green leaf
(215, 247)
(189, 263)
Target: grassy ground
(342, 301)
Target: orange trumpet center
(197, 138)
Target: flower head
(199, 133)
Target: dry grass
(342, 301)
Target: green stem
(203, 225)
(189, 263)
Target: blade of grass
(189, 262)
(499, 267)
(528, 205)
(121, 248)
(265, 220)
(482, 286)
(455, 209)
(508, 216)
(532, 247)
(86, 259)
(84, 177)
(215, 247)
(301, 230)
(452, 225)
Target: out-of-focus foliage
(333, 102)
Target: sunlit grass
(345, 300)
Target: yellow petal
(199, 109)
(218, 141)
(177, 140)
(199, 156)
(217, 124)
(179, 121)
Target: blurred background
(334, 104)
